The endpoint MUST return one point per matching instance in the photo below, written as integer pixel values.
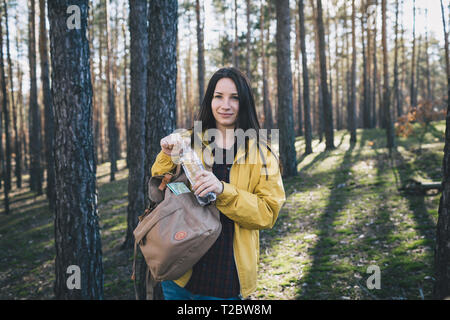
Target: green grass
(344, 212)
(350, 215)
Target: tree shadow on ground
(321, 270)
(404, 172)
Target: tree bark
(77, 235)
(200, 54)
(17, 151)
(297, 78)
(113, 132)
(236, 40)
(34, 113)
(48, 109)
(386, 85)
(284, 79)
(413, 95)
(101, 126)
(189, 87)
(161, 85)
(138, 100)
(306, 101)
(375, 69)
(338, 78)
(125, 94)
(327, 108)
(268, 118)
(396, 85)
(352, 104)
(21, 106)
(441, 288)
(429, 94)
(6, 158)
(366, 107)
(248, 40)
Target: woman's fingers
(206, 191)
(206, 182)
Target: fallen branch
(414, 186)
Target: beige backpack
(176, 231)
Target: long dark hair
(246, 118)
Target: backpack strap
(133, 275)
(165, 180)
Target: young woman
(249, 190)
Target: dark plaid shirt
(215, 274)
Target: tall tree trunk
(6, 158)
(419, 87)
(77, 235)
(338, 79)
(180, 114)
(48, 109)
(329, 65)
(298, 88)
(248, 40)
(113, 132)
(429, 94)
(366, 109)
(284, 78)
(327, 108)
(441, 288)
(345, 65)
(375, 68)
(200, 54)
(17, 151)
(396, 85)
(413, 61)
(268, 118)
(190, 87)
(402, 80)
(91, 35)
(35, 123)
(138, 101)
(236, 40)
(369, 64)
(386, 85)
(318, 110)
(306, 101)
(352, 103)
(125, 94)
(115, 83)
(162, 72)
(21, 106)
(100, 112)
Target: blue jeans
(172, 291)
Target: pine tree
(77, 234)
(284, 77)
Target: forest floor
(344, 212)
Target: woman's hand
(171, 144)
(206, 182)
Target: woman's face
(225, 103)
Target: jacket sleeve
(163, 164)
(257, 210)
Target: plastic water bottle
(192, 165)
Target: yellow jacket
(252, 199)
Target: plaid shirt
(215, 274)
